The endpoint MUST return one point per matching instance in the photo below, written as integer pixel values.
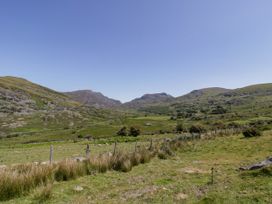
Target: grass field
(183, 178)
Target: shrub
(162, 155)
(197, 129)
(251, 132)
(179, 128)
(80, 136)
(219, 110)
(122, 132)
(134, 131)
(234, 125)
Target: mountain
(20, 96)
(247, 102)
(202, 94)
(91, 98)
(149, 100)
(252, 90)
(28, 108)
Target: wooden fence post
(135, 150)
(114, 150)
(212, 175)
(150, 147)
(88, 151)
(51, 154)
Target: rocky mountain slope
(20, 96)
(149, 99)
(91, 98)
(29, 107)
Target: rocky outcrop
(259, 165)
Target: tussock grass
(69, 169)
(43, 193)
(121, 162)
(19, 180)
(166, 150)
(101, 163)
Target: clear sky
(125, 48)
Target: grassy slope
(201, 94)
(37, 92)
(65, 119)
(243, 105)
(187, 173)
(106, 125)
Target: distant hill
(91, 98)
(252, 90)
(148, 100)
(202, 94)
(247, 102)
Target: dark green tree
(133, 131)
(122, 132)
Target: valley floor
(183, 178)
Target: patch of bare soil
(181, 196)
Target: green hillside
(210, 105)
(42, 114)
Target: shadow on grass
(264, 172)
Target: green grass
(186, 173)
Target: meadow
(184, 177)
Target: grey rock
(259, 165)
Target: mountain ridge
(92, 98)
(15, 91)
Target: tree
(122, 132)
(134, 132)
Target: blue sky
(125, 48)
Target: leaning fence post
(114, 150)
(51, 154)
(88, 151)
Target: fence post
(51, 154)
(114, 150)
(212, 175)
(88, 151)
(135, 147)
(150, 147)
